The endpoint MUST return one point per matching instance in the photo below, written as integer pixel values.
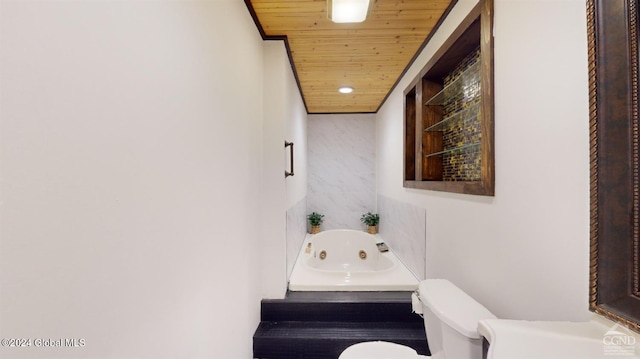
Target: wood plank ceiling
(369, 56)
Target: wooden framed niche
(449, 112)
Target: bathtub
(348, 260)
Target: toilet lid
(379, 350)
(453, 306)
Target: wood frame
(476, 28)
(614, 289)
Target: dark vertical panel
(613, 71)
(432, 140)
(409, 136)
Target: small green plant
(370, 219)
(315, 219)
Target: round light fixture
(345, 89)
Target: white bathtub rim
(327, 280)
(308, 257)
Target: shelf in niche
(431, 159)
(455, 149)
(470, 77)
(456, 118)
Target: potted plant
(315, 220)
(371, 220)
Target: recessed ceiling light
(345, 89)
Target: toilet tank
(451, 320)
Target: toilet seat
(379, 350)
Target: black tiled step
(320, 325)
(319, 296)
(340, 306)
(350, 312)
(326, 340)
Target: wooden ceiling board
(370, 56)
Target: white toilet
(451, 320)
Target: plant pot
(372, 229)
(315, 229)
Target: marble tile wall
(296, 231)
(341, 168)
(403, 227)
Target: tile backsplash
(296, 231)
(341, 168)
(403, 227)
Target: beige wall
(133, 167)
(524, 252)
(131, 188)
(285, 118)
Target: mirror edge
(607, 91)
